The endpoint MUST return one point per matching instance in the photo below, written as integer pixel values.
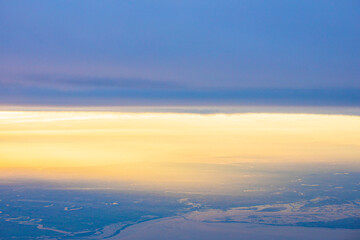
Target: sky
(182, 147)
(120, 53)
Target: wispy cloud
(73, 83)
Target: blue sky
(180, 52)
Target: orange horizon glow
(141, 141)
